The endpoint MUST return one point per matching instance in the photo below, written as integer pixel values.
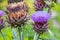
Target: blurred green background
(54, 24)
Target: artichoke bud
(17, 13)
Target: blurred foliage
(1, 0)
(28, 30)
(3, 4)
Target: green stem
(38, 36)
(22, 36)
(51, 34)
(35, 36)
(20, 33)
(14, 34)
(2, 35)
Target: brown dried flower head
(17, 13)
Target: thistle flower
(1, 13)
(1, 20)
(40, 19)
(17, 14)
(39, 5)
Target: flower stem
(20, 33)
(2, 35)
(14, 34)
(51, 34)
(36, 37)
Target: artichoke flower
(39, 5)
(17, 13)
(1, 20)
(1, 13)
(40, 19)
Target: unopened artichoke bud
(18, 18)
(40, 19)
(14, 1)
(39, 5)
(17, 14)
(15, 7)
(1, 23)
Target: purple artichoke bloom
(1, 13)
(40, 19)
(40, 16)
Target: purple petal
(40, 16)
(1, 13)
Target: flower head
(40, 19)
(17, 14)
(1, 13)
(39, 5)
(17, 19)
(15, 7)
(1, 23)
(40, 16)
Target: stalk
(20, 33)
(2, 35)
(14, 34)
(36, 36)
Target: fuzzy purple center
(1, 13)
(40, 16)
